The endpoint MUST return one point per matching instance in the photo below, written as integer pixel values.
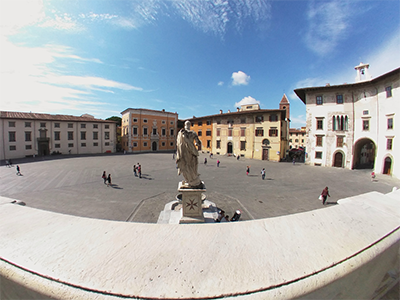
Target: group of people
(107, 179)
(225, 218)
(137, 170)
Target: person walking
(109, 180)
(247, 170)
(134, 170)
(373, 176)
(104, 176)
(263, 173)
(294, 160)
(218, 162)
(18, 170)
(140, 171)
(205, 160)
(325, 194)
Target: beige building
(297, 138)
(249, 132)
(145, 130)
(354, 125)
(35, 134)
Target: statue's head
(187, 125)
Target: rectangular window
(243, 120)
(83, 125)
(230, 131)
(259, 118)
(154, 132)
(28, 136)
(339, 99)
(145, 144)
(318, 154)
(70, 135)
(83, 135)
(259, 132)
(95, 126)
(83, 144)
(390, 123)
(171, 133)
(134, 144)
(135, 131)
(388, 90)
(70, 125)
(57, 145)
(199, 133)
(144, 131)
(208, 143)
(320, 124)
(365, 112)
(11, 124)
(107, 144)
(42, 125)
(27, 124)
(28, 147)
(171, 144)
(144, 120)
(273, 118)
(208, 132)
(218, 121)
(365, 124)
(56, 135)
(11, 136)
(70, 145)
(163, 122)
(242, 131)
(107, 126)
(135, 120)
(95, 135)
(273, 132)
(56, 125)
(339, 141)
(208, 122)
(163, 132)
(163, 144)
(200, 123)
(319, 100)
(389, 143)
(13, 147)
(319, 141)
(218, 144)
(95, 144)
(243, 145)
(218, 131)
(106, 135)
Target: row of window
(242, 145)
(258, 132)
(296, 140)
(339, 97)
(260, 118)
(340, 139)
(136, 120)
(145, 144)
(135, 131)
(12, 135)
(56, 125)
(341, 123)
(70, 145)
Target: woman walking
(325, 194)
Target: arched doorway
(364, 154)
(230, 148)
(338, 160)
(154, 146)
(387, 166)
(265, 149)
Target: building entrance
(338, 160)
(154, 146)
(265, 154)
(230, 148)
(364, 154)
(387, 166)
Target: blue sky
(190, 57)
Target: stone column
(192, 211)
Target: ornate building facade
(354, 125)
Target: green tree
(116, 119)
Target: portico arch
(364, 154)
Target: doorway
(338, 160)
(230, 148)
(265, 154)
(154, 146)
(387, 166)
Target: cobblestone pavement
(73, 185)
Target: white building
(354, 125)
(29, 134)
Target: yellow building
(145, 130)
(250, 132)
(297, 138)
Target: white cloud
(328, 21)
(220, 83)
(240, 78)
(247, 101)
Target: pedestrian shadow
(269, 179)
(115, 186)
(146, 176)
(252, 175)
(331, 203)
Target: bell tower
(284, 104)
(362, 72)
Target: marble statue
(187, 156)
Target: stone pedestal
(192, 211)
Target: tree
(116, 119)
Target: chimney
(237, 108)
(229, 111)
(220, 111)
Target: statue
(187, 156)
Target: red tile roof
(48, 117)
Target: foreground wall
(340, 252)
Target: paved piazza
(73, 185)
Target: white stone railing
(340, 252)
